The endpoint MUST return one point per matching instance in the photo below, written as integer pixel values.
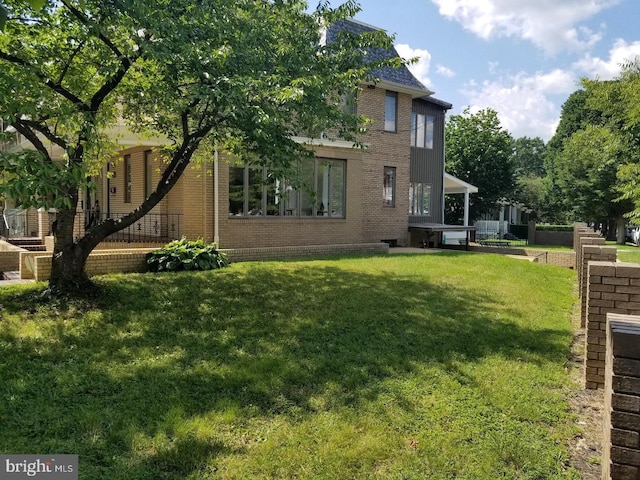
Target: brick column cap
(625, 332)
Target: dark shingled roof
(400, 75)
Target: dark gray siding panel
(427, 165)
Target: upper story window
(350, 102)
(391, 112)
(422, 130)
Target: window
(419, 199)
(422, 130)
(127, 179)
(389, 187)
(148, 173)
(390, 111)
(254, 191)
(350, 103)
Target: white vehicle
(633, 235)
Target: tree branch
(44, 130)
(55, 86)
(88, 23)
(30, 135)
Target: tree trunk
(621, 234)
(67, 264)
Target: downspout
(216, 208)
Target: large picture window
(419, 199)
(318, 191)
(422, 130)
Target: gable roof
(400, 77)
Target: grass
(448, 366)
(629, 254)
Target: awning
(454, 185)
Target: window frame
(298, 198)
(416, 192)
(389, 94)
(127, 179)
(148, 173)
(389, 173)
(424, 138)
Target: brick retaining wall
(613, 288)
(36, 265)
(621, 439)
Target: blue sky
(522, 58)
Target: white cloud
(522, 101)
(444, 71)
(553, 25)
(620, 53)
(420, 69)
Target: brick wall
(591, 253)
(272, 253)
(621, 439)
(391, 150)
(561, 259)
(612, 288)
(543, 237)
(98, 263)
(101, 262)
(9, 261)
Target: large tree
(243, 75)
(594, 155)
(479, 151)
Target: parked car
(633, 234)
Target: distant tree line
(588, 171)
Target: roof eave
(399, 87)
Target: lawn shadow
(253, 341)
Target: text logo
(43, 467)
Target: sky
(522, 58)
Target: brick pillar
(613, 288)
(621, 439)
(591, 251)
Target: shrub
(554, 228)
(186, 255)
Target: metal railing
(153, 227)
(14, 223)
(4, 227)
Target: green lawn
(447, 366)
(629, 254)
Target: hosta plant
(187, 255)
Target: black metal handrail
(153, 227)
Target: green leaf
(3, 17)
(37, 4)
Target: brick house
(392, 191)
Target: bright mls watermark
(44, 467)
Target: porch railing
(13, 223)
(4, 227)
(153, 227)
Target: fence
(152, 228)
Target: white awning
(455, 185)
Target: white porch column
(466, 207)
